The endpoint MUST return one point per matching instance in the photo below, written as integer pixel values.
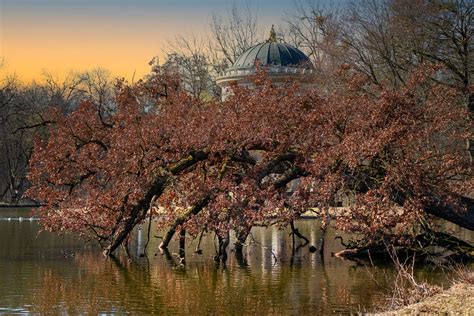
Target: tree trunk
(182, 245)
(182, 219)
(458, 249)
(295, 232)
(470, 142)
(241, 237)
(463, 219)
(156, 189)
(222, 251)
(324, 226)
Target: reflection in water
(46, 273)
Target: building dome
(272, 53)
(281, 61)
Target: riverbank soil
(457, 300)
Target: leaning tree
(395, 156)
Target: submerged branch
(182, 219)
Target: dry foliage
(405, 289)
(463, 274)
(224, 166)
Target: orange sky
(119, 35)
(31, 43)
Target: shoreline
(457, 300)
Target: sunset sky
(119, 35)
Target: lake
(42, 272)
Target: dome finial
(273, 36)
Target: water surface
(42, 272)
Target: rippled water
(41, 272)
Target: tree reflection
(296, 284)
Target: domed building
(282, 62)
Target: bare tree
(25, 111)
(62, 93)
(199, 60)
(7, 95)
(190, 58)
(315, 30)
(372, 46)
(16, 112)
(98, 86)
(386, 39)
(233, 34)
(451, 34)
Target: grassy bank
(457, 300)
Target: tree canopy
(395, 156)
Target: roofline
(279, 46)
(276, 77)
(272, 70)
